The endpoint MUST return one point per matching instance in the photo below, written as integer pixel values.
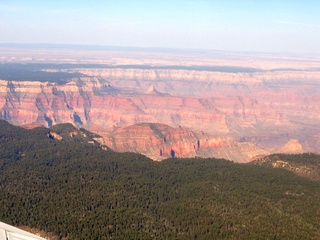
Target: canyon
(164, 104)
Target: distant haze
(255, 26)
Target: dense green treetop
(76, 190)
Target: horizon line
(92, 47)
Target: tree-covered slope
(75, 189)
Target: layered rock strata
(159, 141)
(264, 109)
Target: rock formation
(235, 112)
(306, 164)
(293, 146)
(159, 141)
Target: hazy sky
(232, 25)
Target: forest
(76, 190)
(36, 71)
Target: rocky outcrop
(306, 164)
(293, 146)
(54, 135)
(159, 141)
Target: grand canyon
(164, 103)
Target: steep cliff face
(159, 141)
(86, 102)
(48, 103)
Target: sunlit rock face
(293, 147)
(83, 103)
(159, 141)
(236, 113)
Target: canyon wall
(165, 110)
(160, 141)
